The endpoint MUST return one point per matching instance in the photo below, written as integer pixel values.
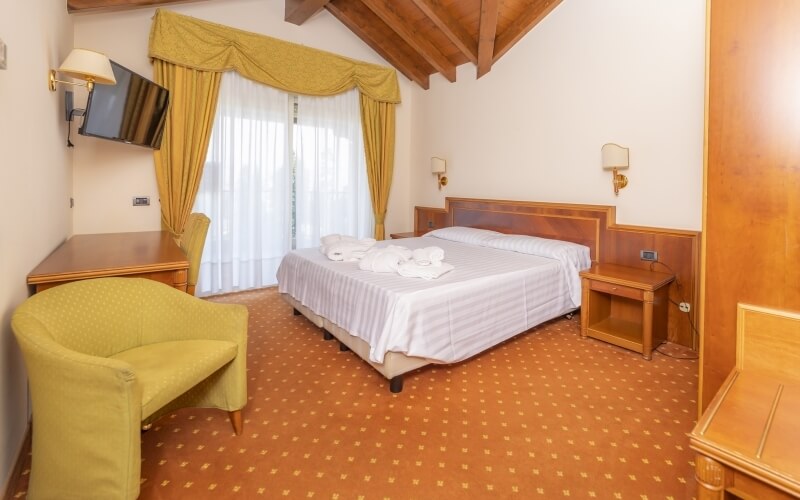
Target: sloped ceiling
(418, 37)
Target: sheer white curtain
(246, 188)
(331, 173)
(257, 201)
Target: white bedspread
(490, 296)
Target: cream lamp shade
(439, 167)
(616, 158)
(88, 65)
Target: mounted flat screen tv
(133, 111)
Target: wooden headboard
(594, 226)
(584, 224)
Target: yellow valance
(206, 46)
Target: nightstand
(410, 234)
(625, 306)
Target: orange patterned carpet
(545, 415)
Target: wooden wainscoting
(679, 254)
(594, 226)
(428, 219)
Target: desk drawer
(620, 290)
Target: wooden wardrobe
(751, 219)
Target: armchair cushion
(168, 369)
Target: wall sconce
(439, 167)
(615, 158)
(88, 65)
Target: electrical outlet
(684, 307)
(430, 223)
(141, 201)
(650, 255)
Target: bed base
(395, 383)
(394, 365)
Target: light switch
(141, 201)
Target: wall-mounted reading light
(87, 65)
(616, 158)
(439, 167)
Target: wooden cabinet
(751, 243)
(625, 306)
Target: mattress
(490, 296)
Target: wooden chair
(747, 439)
(192, 242)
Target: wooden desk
(149, 254)
(748, 439)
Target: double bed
(503, 283)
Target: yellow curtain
(179, 162)
(377, 123)
(182, 41)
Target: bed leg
(295, 312)
(396, 384)
(343, 347)
(326, 335)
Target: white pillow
(543, 247)
(470, 235)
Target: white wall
(624, 71)
(108, 175)
(35, 184)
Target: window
(281, 172)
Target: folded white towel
(411, 269)
(346, 252)
(331, 239)
(384, 260)
(344, 248)
(327, 241)
(428, 256)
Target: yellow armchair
(104, 357)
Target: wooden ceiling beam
(346, 15)
(522, 25)
(486, 35)
(87, 5)
(299, 11)
(451, 28)
(418, 41)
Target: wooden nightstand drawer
(622, 291)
